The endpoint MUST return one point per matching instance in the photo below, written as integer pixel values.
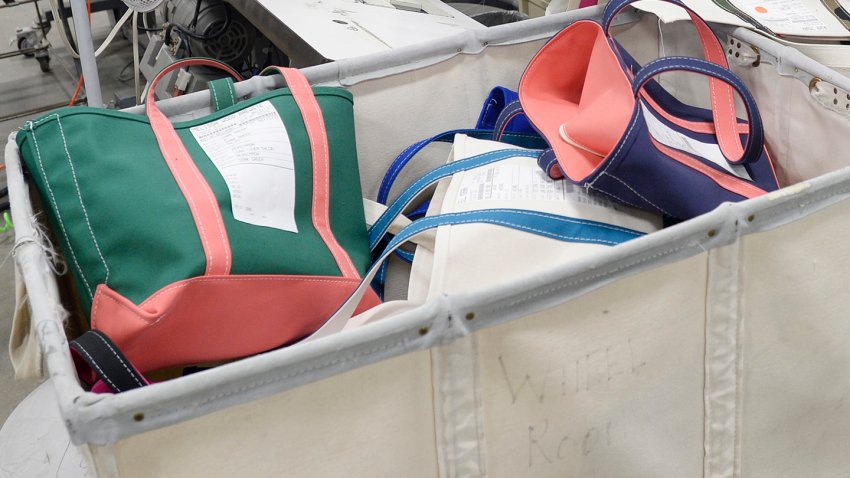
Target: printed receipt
(251, 150)
(672, 138)
(790, 17)
(502, 181)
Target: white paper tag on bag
(505, 181)
(672, 138)
(251, 150)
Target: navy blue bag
(613, 129)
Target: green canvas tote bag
(209, 239)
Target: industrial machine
(252, 34)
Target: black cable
(121, 77)
(210, 36)
(4, 207)
(194, 23)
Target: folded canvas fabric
(24, 349)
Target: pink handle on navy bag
(722, 99)
(755, 139)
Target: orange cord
(2, 167)
(80, 82)
(76, 92)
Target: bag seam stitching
(56, 207)
(80, 197)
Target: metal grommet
(712, 233)
(138, 417)
(751, 218)
(814, 83)
(470, 316)
(758, 56)
(423, 331)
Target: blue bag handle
(755, 138)
(548, 162)
(510, 112)
(517, 139)
(499, 97)
(382, 225)
(405, 156)
(562, 228)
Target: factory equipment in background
(250, 35)
(202, 28)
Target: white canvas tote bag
(463, 258)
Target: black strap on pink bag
(104, 358)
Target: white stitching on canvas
(120, 359)
(618, 198)
(232, 89)
(529, 228)
(193, 207)
(566, 285)
(215, 97)
(80, 197)
(435, 175)
(638, 194)
(58, 215)
(102, 374)
(344, 262)
(301, 371)
(219, 222)
(613, 157)
(185, 283)
(203, 279)
(732, 128)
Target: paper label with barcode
(251, 150)
(506, 181)
(672, 138)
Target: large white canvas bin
(714, 348)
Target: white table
(313, 31)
